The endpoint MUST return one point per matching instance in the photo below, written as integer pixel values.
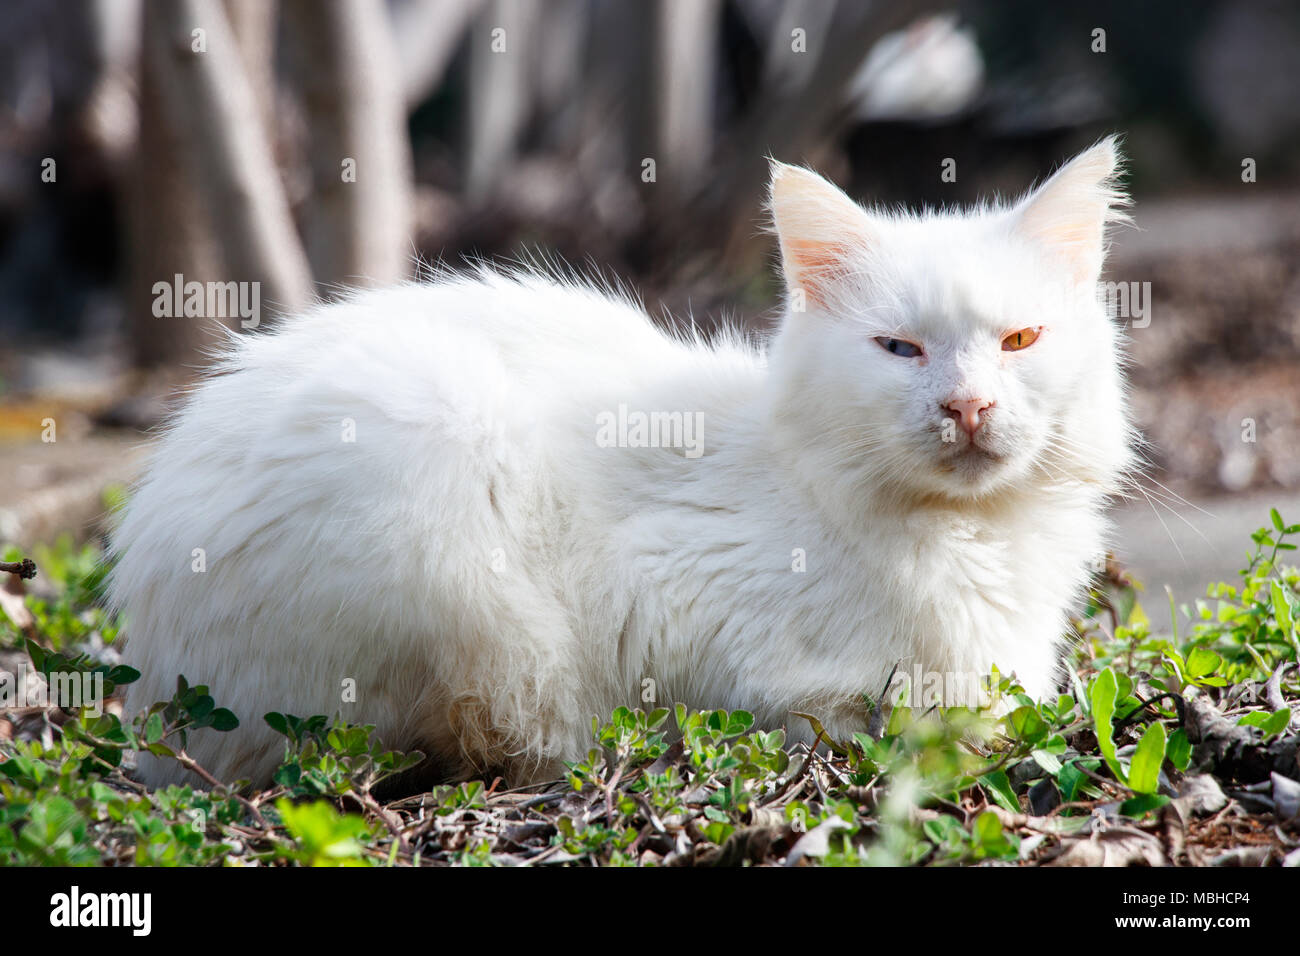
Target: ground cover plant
(1175, 744)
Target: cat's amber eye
(1021, 339)
(899, 347)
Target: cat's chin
(974, 471)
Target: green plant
(936, 787)
(333, 759)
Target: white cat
(480, 511)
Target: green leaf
(940, 829)
(739, 722)
(1271, 724)
(1139, 806)
(1102, 696)
(1202, 662)
(324, 836)
(277, 723)
(817, 729)
(987, 829)
(1000, 789)
(1070, 779)
(121, 674)
(153, 729)
(717, 832)
(1064, 707)
(1123, 688)
(1047, 761)
(1144, 772)
(900, 717)
(1277, 520)
(1125, 604)
(1178, 751)
(223, 720)
(1277, 723)
(50, 820)
(1283, 610)
(36, 653)
(1027, 724)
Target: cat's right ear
(819, 229)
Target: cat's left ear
(1069, 213)
(819, 228)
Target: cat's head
(951, 353)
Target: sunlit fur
(491, 578)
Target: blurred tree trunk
(168, 235)
(801, 101)
(169, 225)
(210, 107)
(360, 213)
(503, 45)
(685, 77)
(253, 23)
(560, 78)
(427, 35)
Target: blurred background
(307, 146)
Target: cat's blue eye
(898, 347)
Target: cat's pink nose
(967, 412)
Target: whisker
(1168, 533)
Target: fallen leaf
(816, 842)
(1114, 846)
(1286, 797)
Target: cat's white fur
(489, 576)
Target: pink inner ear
(1076, 242)
(813, 264)
(1069, 234)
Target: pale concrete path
(1214, 548)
